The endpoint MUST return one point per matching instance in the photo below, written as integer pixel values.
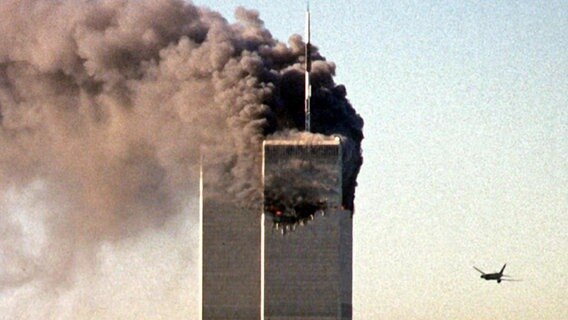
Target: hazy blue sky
(466, 150)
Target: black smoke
(332, 114)
(105, 108)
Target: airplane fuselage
(492, 276)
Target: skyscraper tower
(289, 257)
(230, 255)
(306, 245)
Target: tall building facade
(230, 257)
(289, 258)
(307, 237)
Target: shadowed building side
(308, 272)
(307, 236)
(230, 244)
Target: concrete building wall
(308, 271)
(230, 260)
(251, 271)
(346, 265)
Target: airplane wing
(479, 270)
(511, 280)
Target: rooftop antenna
(308, 87)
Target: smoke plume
(105, 108)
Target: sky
(465, 150)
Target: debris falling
(105, 107)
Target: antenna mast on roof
(308, 87)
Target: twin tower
(288, 257)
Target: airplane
(495, 276)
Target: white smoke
(105, 107)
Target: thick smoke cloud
(105, 108)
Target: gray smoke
(105, 107)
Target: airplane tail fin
(502, 269)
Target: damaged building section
(307, 273)
(302, 179)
